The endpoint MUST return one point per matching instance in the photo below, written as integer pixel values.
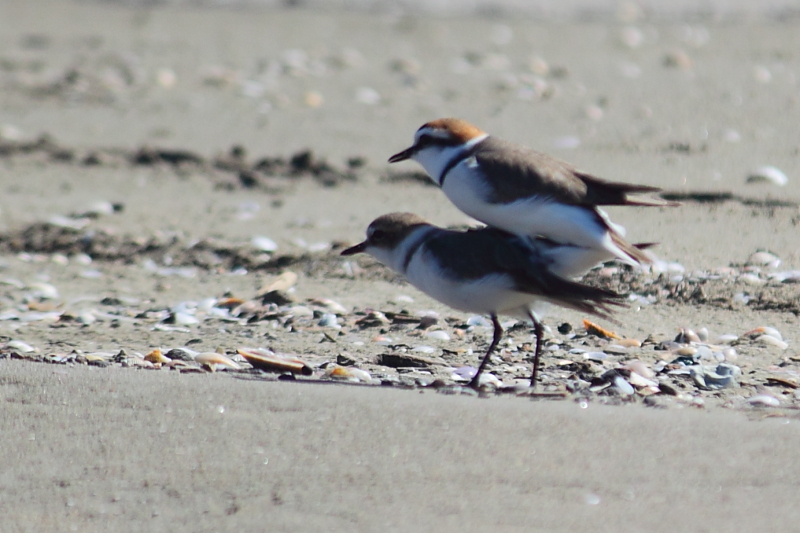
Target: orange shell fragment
(594, 329)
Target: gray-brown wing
(478, 253)
(515, 171)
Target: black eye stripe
(426, 140)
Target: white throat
(435, 159)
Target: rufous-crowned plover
(523, 191)
(486, 271)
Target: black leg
(498, 334)
(538, 330)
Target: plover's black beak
(402, 156)
(357, 249)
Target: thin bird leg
(498, 334)
(538, 330)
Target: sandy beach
(161, 165)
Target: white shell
(764, 400)
(438, 334)
(21, 346)
(264, 244)
(768, 174)
(769, 340)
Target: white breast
(490, 294)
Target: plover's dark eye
(377, 235)
(424, 140)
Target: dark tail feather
(631, 250)
(580, 297)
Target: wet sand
(691, 105)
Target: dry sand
(691, 104)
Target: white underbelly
(491, 294)
(530, 216)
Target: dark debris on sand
(231, 170)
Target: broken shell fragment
(211, 359)
(594, 329)
(348, 374)
(764, 400)
(769, 340)
(765, 330)
(271, 362)
(768, 174)
(157, 357)
(282, 283)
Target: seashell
(183, 319)
(766, 330)
(722, 376)
(348, 373)
(332, 307)
(763, 258)
(464, 373)
(594, 329)
(283, 283)
(727, 339)
(367, 96)
(157, 357)
(487, 378)
(263, 244)
(768, 174)
(85, 317)
(59, 259)
(20, 346)
(704, 352)
(640, 368)
(269, 361)
(629, 343)
(98, 356)
(68, 222)
(329, 320)
(438, 334)
(301, 310)
(623, 386)
(137, 361)
(43, 290)
(769, 340)
(751, 279)
(687, 335)
(424, 349)
(615, 349)
(595, 356)
(211, 359)
(730, 354)
(764, 400)
(741, 298)
(478, 320)
(782, 381)
(639, 381)
(82, 259)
